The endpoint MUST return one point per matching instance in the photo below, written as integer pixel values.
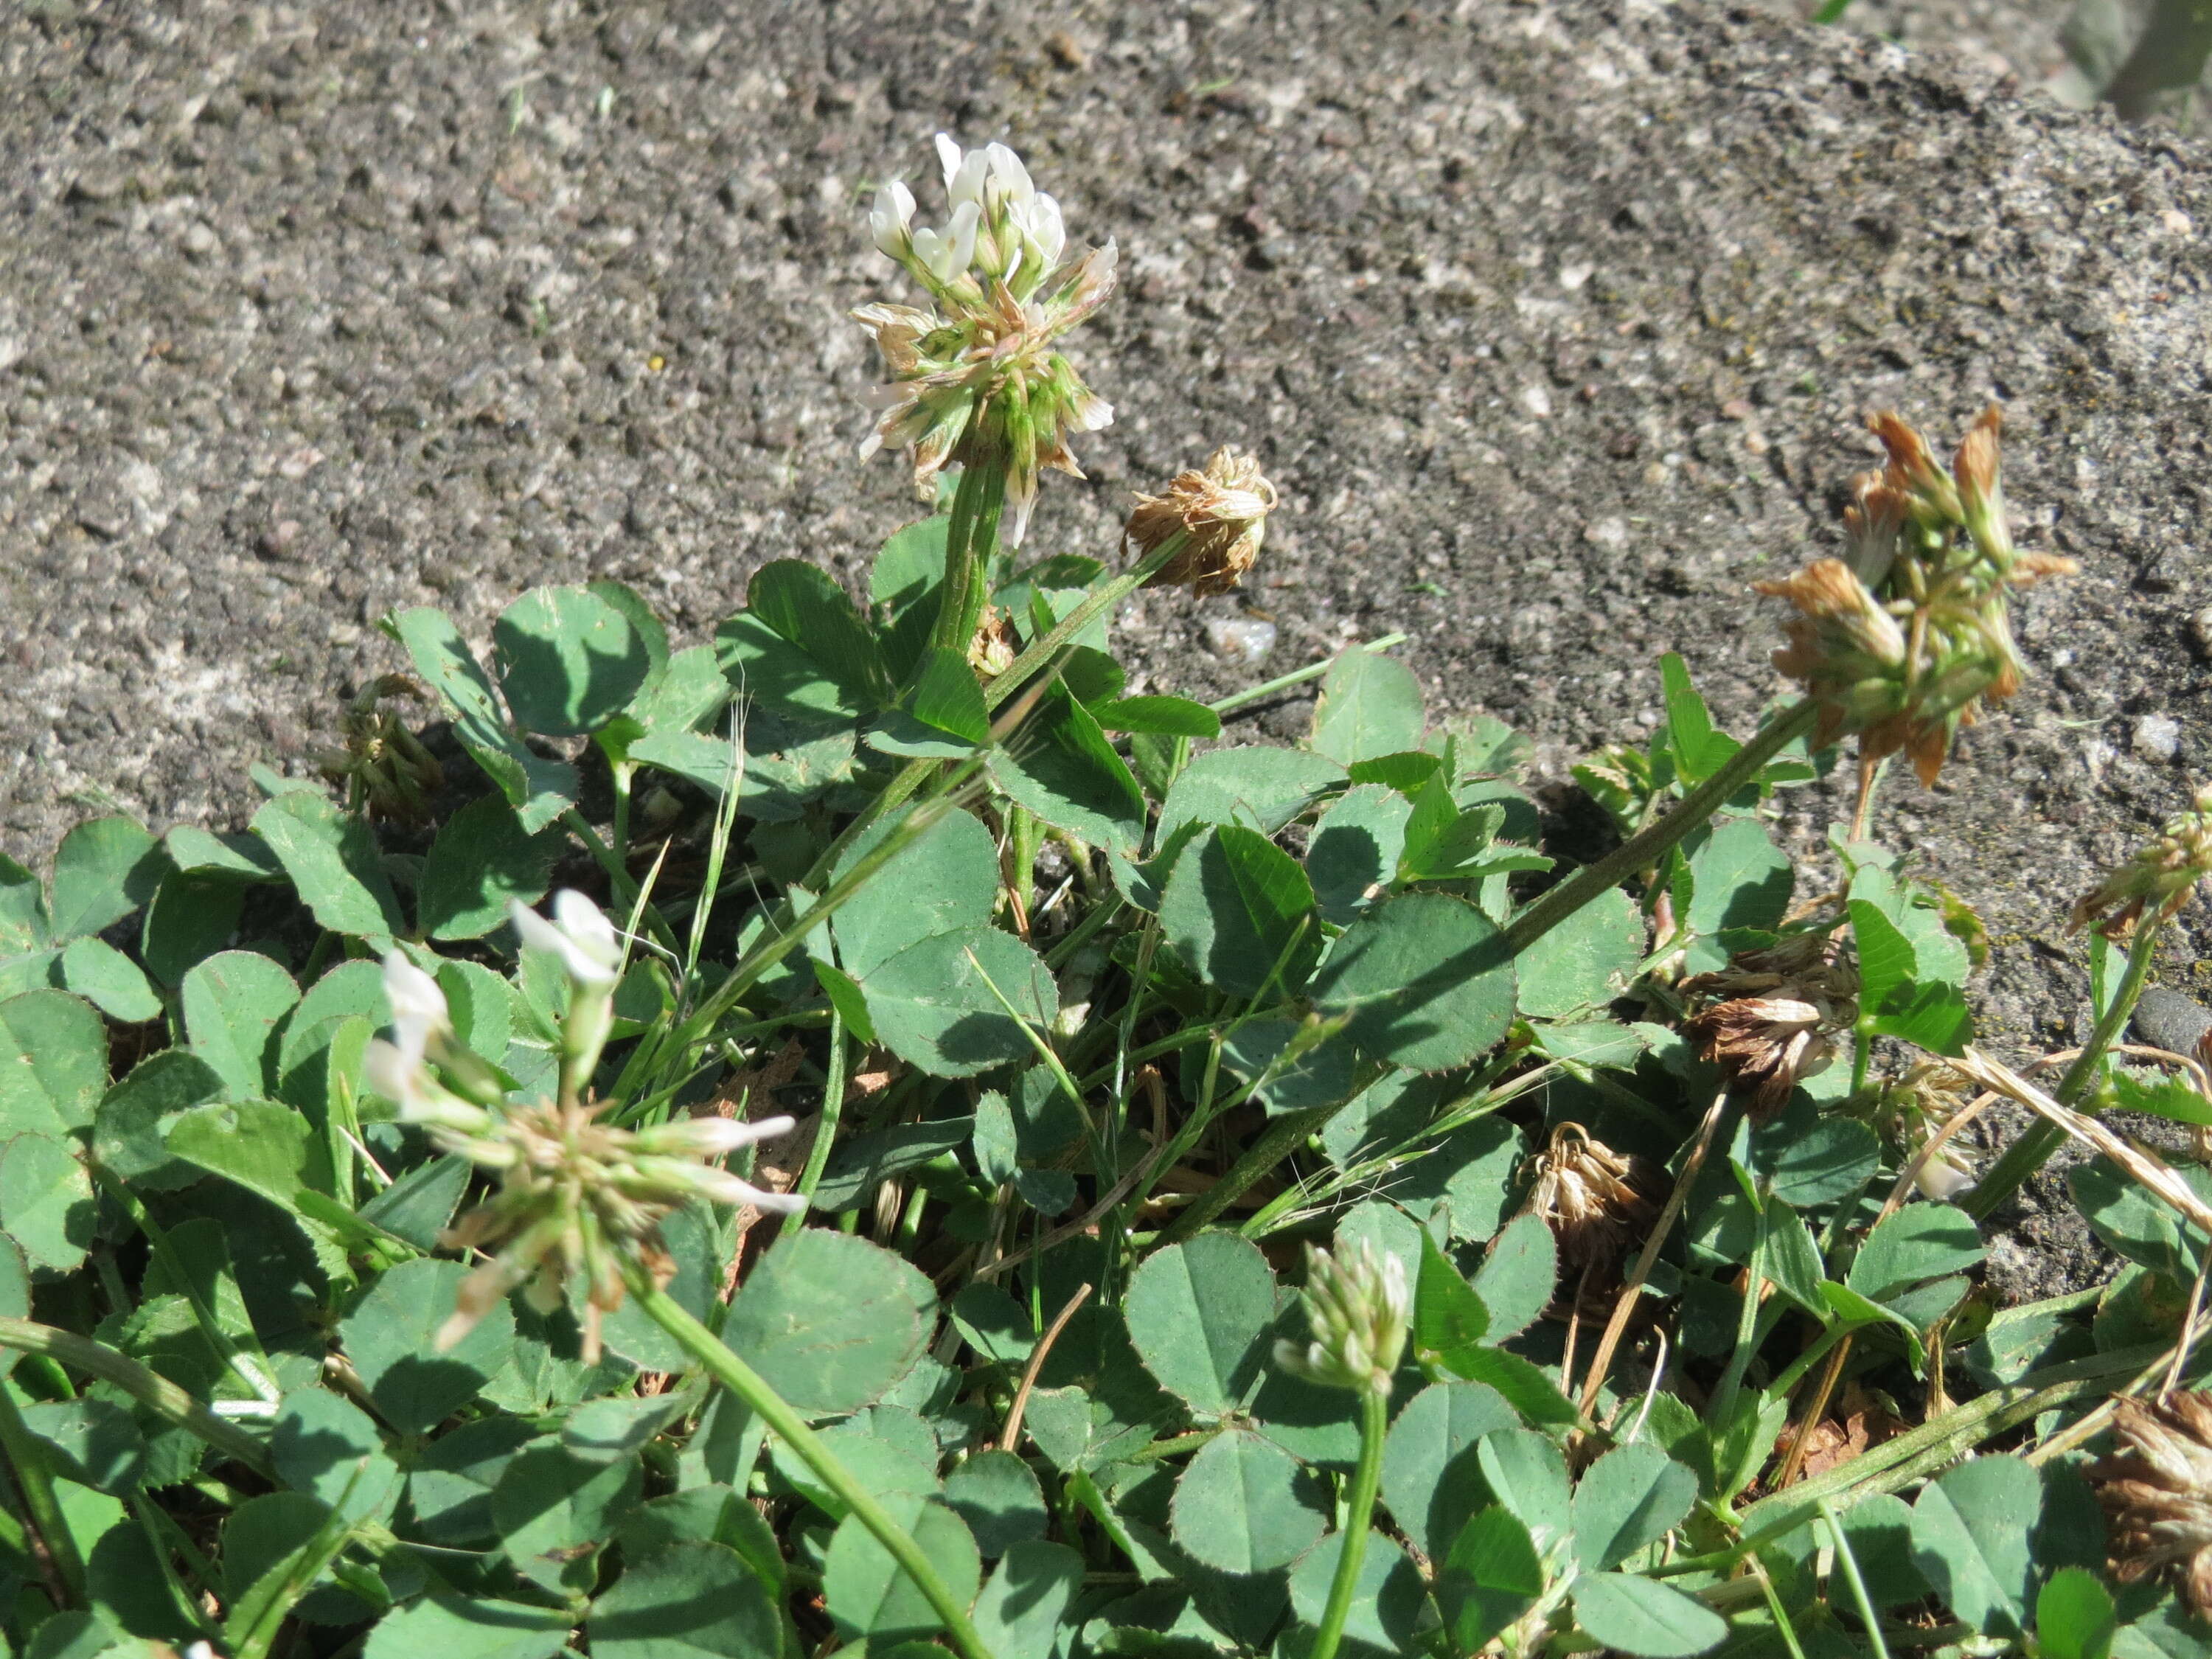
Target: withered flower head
(1778, 1012)
(2158, 878)
(1596, 1201)
(387, 773)
(2157, 1491)
(1221, 512)
(994, 648)
(1913, 1109)
(1906, 640)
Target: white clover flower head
(1361, 1309)
(580, 934)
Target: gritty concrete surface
(1553, 322)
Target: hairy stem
(747, 1384)
(969, 542)
(2039, 1140)
(1648, 846)
(1374, 1419)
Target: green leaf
(1645, 1618)
(709, 1514)
(945, 881)
(1196, 1312)
(1173, 717)
(1244, 1505)
(24, 924)
(1386, 1598)
(95, 1443)
(1518, 1276)
(1449, 1318)
(232, 1004)
(1816, 1162)
(2142, 1089)
(105, 868)
(454, 1627)
(481, 862)
(419, 1206)
(1533, 1394)
(1262, 789)
(947, 698)
(1793, 1260)
(569, 660)
(1740, 879)
(870, 1594)
(319, 1443)
(1320, 1074)
(95, 968)
(1973, 1538)
(1235, 907)
(539, 790)
(450, 1484)
(687, 1601)
(998, 1496)
(1878, 1529)
(2075, 1617)
(1059, 765)
(806, 608)
(1424, 980)
(1698, 750)
(53, 1063)
(1912, 966)
(1370, 704)
(1353, 854)
(231, 858)
(934, 1004)
(2143, 1229)
(46, 1201)
(601, 1431)
(692, 1237)
(189, 920)
(1526, 1473)
(910, 563)
(1586, 959)
(1490, 1578)
(1633, 1496)
(126, 1136)
(265, 1148)
(391, 1337)
(554, 1511)
(1920, 1242)
(1428, 1464)
(1023, 1604)
(831, 1321)
(332, 860)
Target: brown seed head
(1779, 1008)
(2157, 1491)
(1595, 1201)
(1222, 510)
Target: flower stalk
(753, 1389)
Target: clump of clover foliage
(1091, 1015)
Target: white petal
(961, 230)
(967, 185)
(539, 934)
(585, 923)
(948, 156)
(390, 1072)
(418, 1006)
(890, 222)
(1013, 178)
(725, 1189)
(712, 1137)
(1047, 230)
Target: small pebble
(2166, 1019)
(2157, 736)
(1241, 641)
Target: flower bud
(2160, 878)
(1360, 1309)
(1221, 514)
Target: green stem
(741, 1380)
(1312, 671)
(833, 1108)
(1746, 1338)
(2036, 1143)
(1647, 847)
(26, 1456)
(1374, 1419)
(150, 1388)
(618, 877)
(969, 541)
(1850, 1563)
(1100, 599)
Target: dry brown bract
(2157, 1492)
(1596, 1202)
(1224, 512)
(1778, 1009)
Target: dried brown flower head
(2158, 878)
(994, 648)
(1221, 510)
(387, 773)
(2157, 1491)
(1777, 1012)
(1596, 1201)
